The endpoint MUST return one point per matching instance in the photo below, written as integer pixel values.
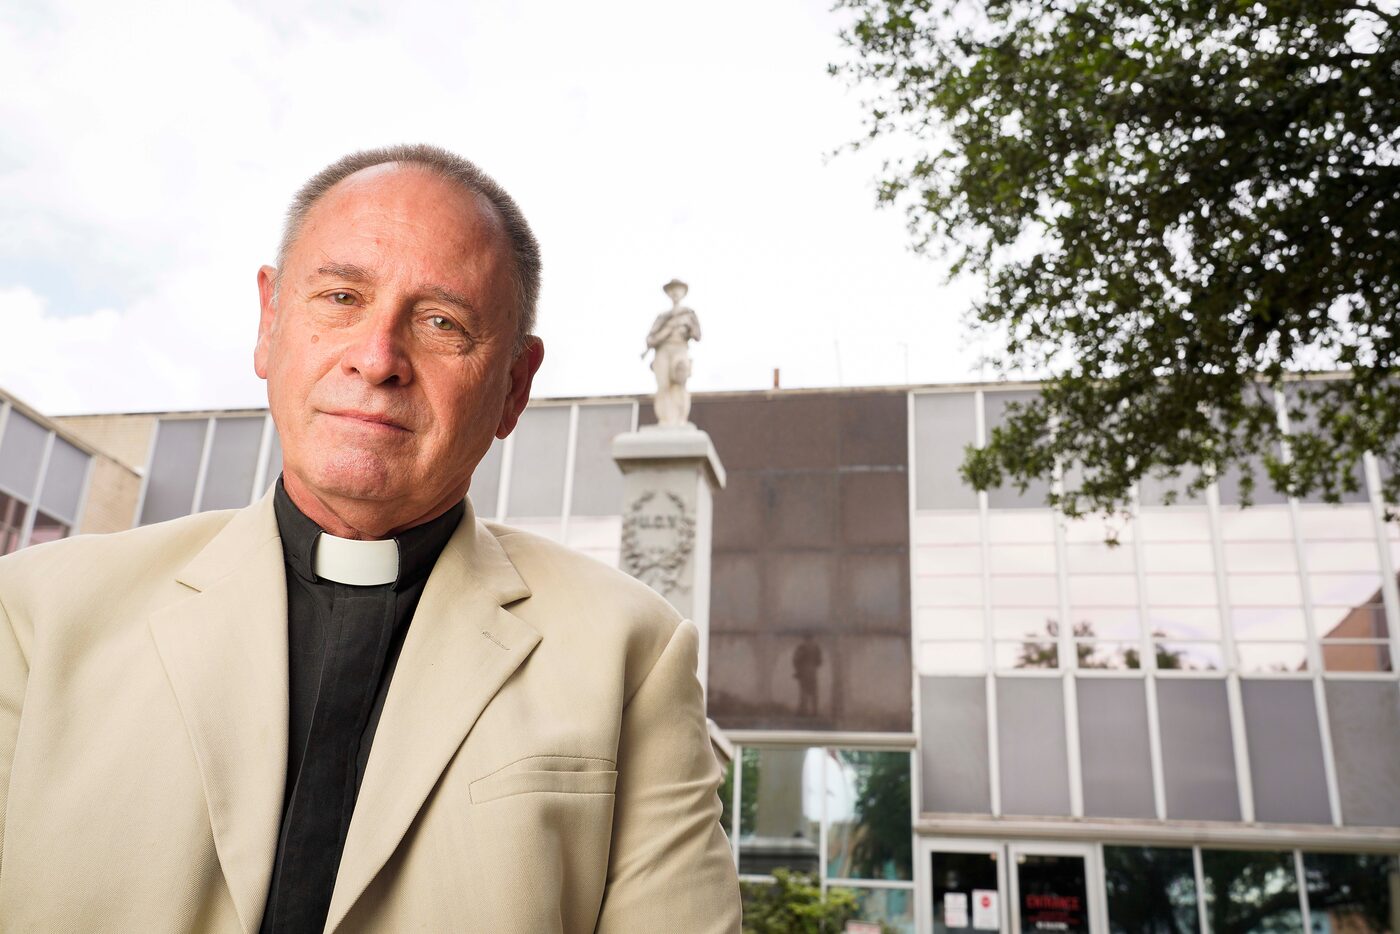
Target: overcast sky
(147, 152)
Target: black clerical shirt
(343, 642)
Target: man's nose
(378, 354)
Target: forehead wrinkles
(422, 229)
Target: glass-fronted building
(973, 712)
(46, 473)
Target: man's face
(390, 351)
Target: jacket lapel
(461, 647)
(225, 652)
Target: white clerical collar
(361, 563)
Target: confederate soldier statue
(670, 338)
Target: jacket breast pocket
(546, 775)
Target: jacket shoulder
(88, 566)
(593, 608)
(547, 566)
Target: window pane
(1188, 623)
(63, 480)
(486, 482)
(1267, 622)
(537, 463)
(951, 657)
(726, 800)
(1178, 557)
(1099, 559)
(1008, 496)
(1022, 559)
(1027, 655)
(1332, 557)
(1105, 622)
(1116, 760)
(867, 809)
(1155, 490)
(1259, 524)
(1345, 589)
(11, 523)
(1031, 743)
(233, 462)
(952, 528)
(1053, 892)
(1351, 622)
(1190, 656)
(891, 908)
(47, 529)
(1181, 590)
(780, 815)
(1285, 751)
(1174, 525)
(960, 880)
(930, 560)
(1264, 589)
(1103, 590)
(1352, 892)
(1025, 590)
(1276, 657)
(1151, 890)
(21, 451)
(1257, 557)
(1198, 756)
(1357, 656)
(944, 424)
(1231, 485)
(1251, 893)
(953, 745)
(1116, 656)
(174, 469)
(1365, 718)
(1011, 526)
(597, 479)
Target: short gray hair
(525, 249)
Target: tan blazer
(542, 763)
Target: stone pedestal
(669, 477)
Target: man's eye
(442, 323)
(342, 298)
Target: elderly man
(353, 706)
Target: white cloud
(151, 149)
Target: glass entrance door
(966, 882)
(1050, 889)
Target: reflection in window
(1352, 892)
(1278, 657)
(47, 529)
(11, 523)
(1054, 893)
(1026, 637)
(726, 801)
(951, 657)
(780, 814)
(1251, 892)
(1189, 656)
(1151, 890)
(891, 908)
(958, 878)
(867, 809)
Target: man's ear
(267, 290)
(522, 374)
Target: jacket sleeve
(670, 868)
(14, 675)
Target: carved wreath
(660, 565)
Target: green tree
(793, 904)
(882, 848)
(1175, 205)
